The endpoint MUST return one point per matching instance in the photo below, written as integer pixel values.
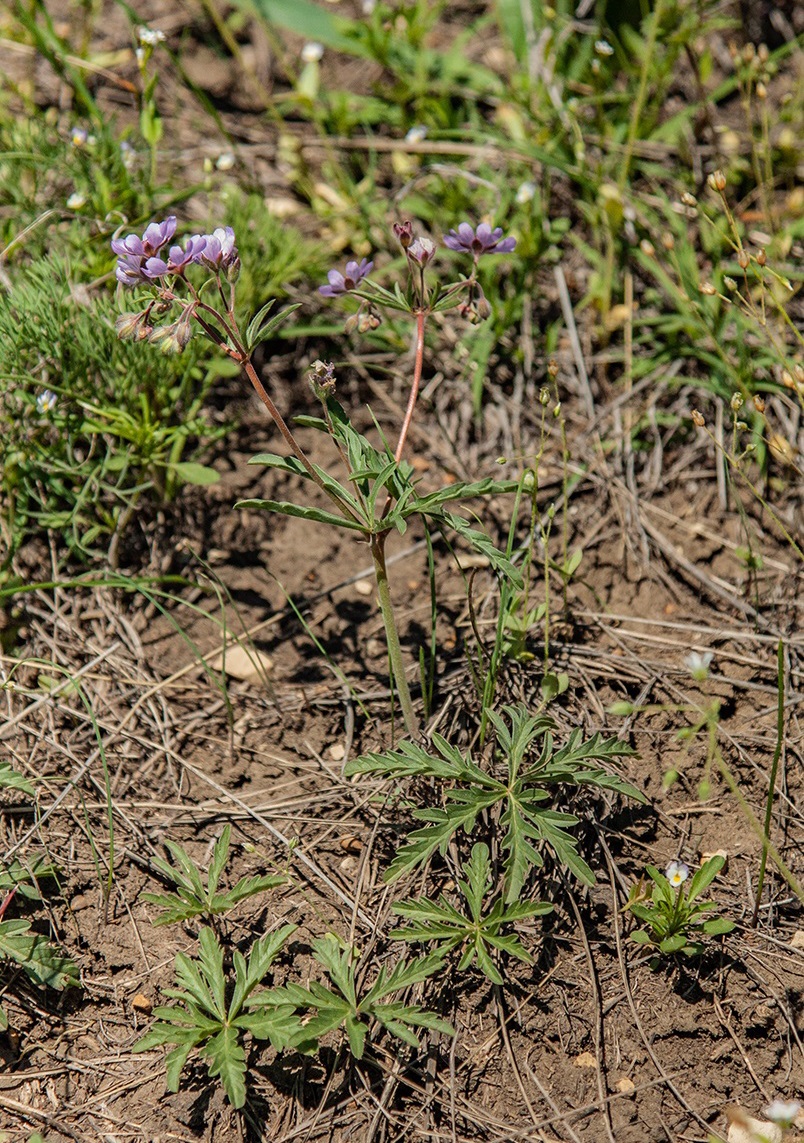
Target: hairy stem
(392, 635)
(414, 391)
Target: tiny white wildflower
(604, 48)
(76, 201)
(140, 56)
(525, 193)
(416, 134)
(225, 162)
(677, 873)
(312, 52)
(783, 1113)
(150, 37)
(127, 154)
(698, 665)
(79, 136)
(46, 401)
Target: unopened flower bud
(717, 181)
(762, 53)
(762, 91)
(552, 368)
(787, 380)
(689, 199)
(748, 53)
(698, 418)
(404, 232)
(742, 259)
(708, 289)
(350, 325)
(131, 325)
(736, 402)
(482, 307)
(557, 410)
(322, 379)
(668, 241)
(421, 251)
(367, 321)
(761, 257)
(233, 270)
(729, 283)
(544, 396)
(647, 248)
(799, 372)
(759, 404)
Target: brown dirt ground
(590, 1043)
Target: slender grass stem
(777, 753)
(414, 391)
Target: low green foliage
(212, 1015)
(676, 919)
(41, 961)
(343, 1006)
(506, 789)
(477, 934)
(193, 898)
(91, 424)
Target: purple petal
(452, 243)
(352, 271)
(155, 268)
(466, 235)
(506, 246)
(484, 235)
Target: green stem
(771, 780)
(392, 635)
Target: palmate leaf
(203, 1020)
(422, 843)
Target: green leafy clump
(212, 1016)
(477, 934)
(343, 1007)
(193, 898)
(40, 960)
(91, 424)
(676, 919)
(516, 793)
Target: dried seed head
(782, 450)
(729, 283)
(761, 257)
(759, 404)
(552, 368)
(544, 396)
(698, 418)
(708, 289)
(689, 199)
(787, 380)
(762, 91)
(799, 372)
(668, 241)
(763, 53)
(647, 248)
(736, 402)
(717, 181)
(743, 259)
(749, 52)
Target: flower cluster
(466, 239)
(144, 259)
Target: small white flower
(416, 134)
(312, 52)
(150, 37)
(698, 665)
(525, 193)
(79, 136)
(604, 48)
(225, 162)
(784, 1114)
(76, 201)
(127, 154)
(677, 873)
(46, 401)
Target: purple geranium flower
(219, 252)
(482, 241)
(130, 271)
(157, 235)
(179, 260)
(342, 283)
